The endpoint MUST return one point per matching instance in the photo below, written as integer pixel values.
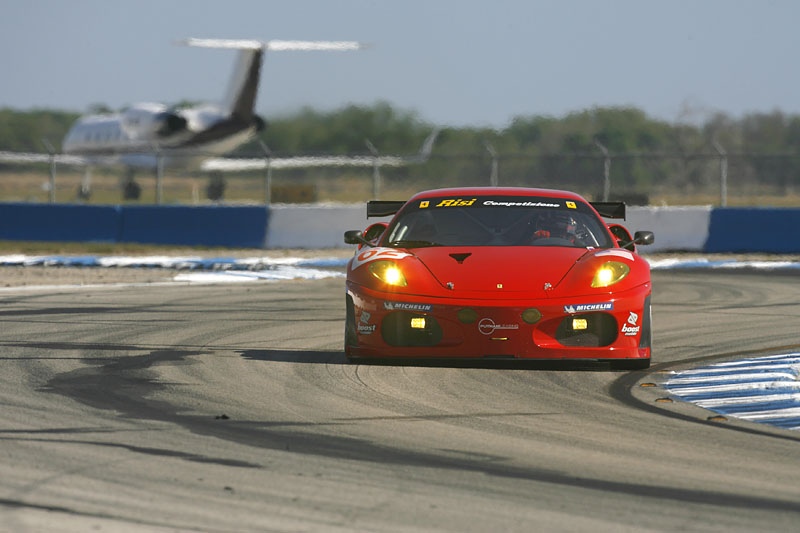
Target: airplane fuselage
(148, 133)
(138, 136)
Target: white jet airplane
(153, 136)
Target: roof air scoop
(460, 257)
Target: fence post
(159, 177)
(376, 171)
(723, 173)
(493, 179)
(267, 173)
(52, 154)
(606, 170)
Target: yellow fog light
(531, 316)
(388, 272)
(418, 322)
(579, 324)
(610, 273)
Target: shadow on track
(338, 358)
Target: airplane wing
(243, 164)
(238, 165)
(32, 157)
(249, 44)
(227, 164)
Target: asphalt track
(231, 408)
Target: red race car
(500, 273)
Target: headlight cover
(609, 273)
(388, 272)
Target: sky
(457, 63)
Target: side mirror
(624, 238)
(354, 236)
(368, 237)
(644, 237)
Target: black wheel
(131, 190)
(215, 190)
(350, 334)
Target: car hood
(494, 269)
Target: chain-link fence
(642, 178)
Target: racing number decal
(373, 254)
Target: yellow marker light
(418, 322)
(388, 272)
(579, 323)
(610, 273)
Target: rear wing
(610, 209)
(383, 208)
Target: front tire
(350, 333)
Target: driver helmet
(555, 225)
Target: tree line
(763, 148)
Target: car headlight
(609, 273)
(388, 272)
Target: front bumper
(616, 326)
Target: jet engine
(151, 121)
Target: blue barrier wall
(743, 229)
(231, 226)
(243, 227)
(695, 229)
(59, 222)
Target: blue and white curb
(705, 263)
(254, 263)
(209, 270)
(171, 262)
(762, 389)
(200, 269)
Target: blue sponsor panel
(59, 222)
(743, 230)
(241, 226)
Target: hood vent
(460, 257)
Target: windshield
(497, 221)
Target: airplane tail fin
(240, 98)
(427, 146)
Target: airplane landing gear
(216, 187)
(85, 188)
(130, 189)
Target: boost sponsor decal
(631, 328)
(364, 327)
(373, 254)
